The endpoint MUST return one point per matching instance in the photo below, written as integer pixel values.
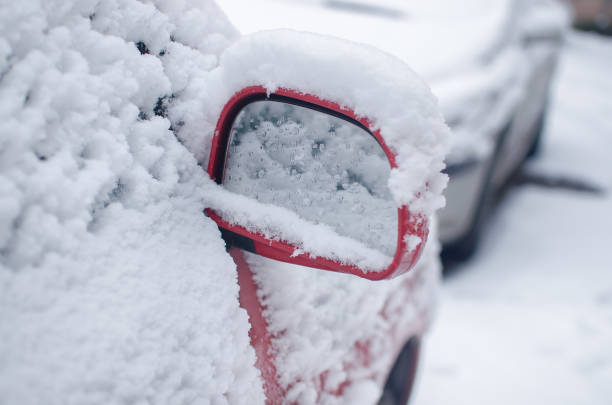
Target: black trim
(238, 107)
(368, 9)
(231, 117)
(456, 168)
(239, 241)
(400, 380)
(320, 108)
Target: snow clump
(114, 288)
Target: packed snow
(373, 84)
(114, 287)
(279, 223)
(322, 321)
(530, 320)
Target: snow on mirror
(326, 169)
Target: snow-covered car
(129, 130)
(488, 62)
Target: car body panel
(466, 186)
(357, 327)
(543, 53)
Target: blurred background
(528, 318)
(593, 15)
(525, 312)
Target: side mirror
(309, 186)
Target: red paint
(261, 341)
(261, 338)
(283, 251)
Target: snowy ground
(529, 320)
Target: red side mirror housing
(412, 230)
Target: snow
(457, 39)
(114, 288)
(469, 52)
(320, 320)
(530, 320)
(373, 84)
(327, 170)
(278, 223)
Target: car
(163, 235)
(490, 63)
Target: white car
(489, 62)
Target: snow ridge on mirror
(326, 169)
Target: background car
(115, 287)
(488, 62)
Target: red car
(326, 161)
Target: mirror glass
(326, 169)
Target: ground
(529, 320)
